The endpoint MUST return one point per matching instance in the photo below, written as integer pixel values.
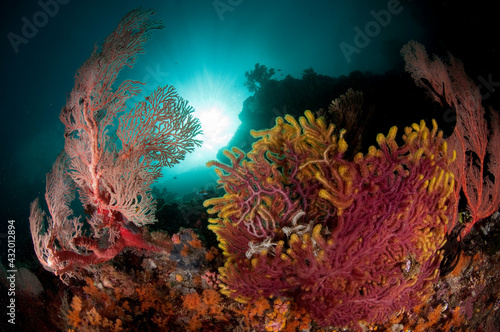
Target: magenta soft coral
(112, 156)
(348, 241)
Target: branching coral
(349, 241)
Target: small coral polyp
(348, 240)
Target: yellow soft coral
(299, 220)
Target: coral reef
(148, 289)
(140, 290)
(315, 235)
(169, 293)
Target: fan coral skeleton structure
(349, 241)
(112, 156)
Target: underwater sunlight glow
(217, 98)
(216, 127)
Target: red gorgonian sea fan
(112, 156)
(476, 140)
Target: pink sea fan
(112, 156)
